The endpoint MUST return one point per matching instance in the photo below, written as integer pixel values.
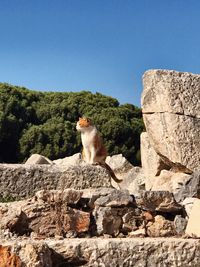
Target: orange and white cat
(94, 151)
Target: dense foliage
(44, 123)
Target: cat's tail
(111, 172)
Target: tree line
(44, 123)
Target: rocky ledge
(102, 252)
(76, 228)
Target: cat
(94, 152)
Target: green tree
(44, 123)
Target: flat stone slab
(20, 180)
(137, 252)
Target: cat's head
(83, 123)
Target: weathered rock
(152, 164)
(138, 233)
(188, 204)
(180, 184)
(67, 196)
(108, 220)
(171, 91)
(133, 181)
(157, 201)
(35, 254)
(38, 159)
(49, 221)
(66, 162)
(94, 193)
(90, 195)
(132, 177)
(180, 224)
(19, 180)
(96, 252)
(160, 227)
(171, 112)
(147, 216)
(193, 228)
(46, 214)
(170, 181)
(84, 176)
(11, 214)
(127, 252)
(131, 220)
(119, 164)
(116, 198)
(7, 258)
(190, 187)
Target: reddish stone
(8, 259)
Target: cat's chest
(88, 139)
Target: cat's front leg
(93, 155)
(87, 155)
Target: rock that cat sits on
(94, 151)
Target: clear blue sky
(96, 45)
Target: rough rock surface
(89, 212)
(160, 227)
(7, 258)
(188, 204)
(171, 112)
(157, 201)
(119, 164)
(23, 180)
(33, 254)
(180, 224)
(20, 180)
(84, 176)
(182, 185)
(170, 181)
(127, 252)
(108, 220)
(133, 180)
(193, 228)
(47, 214)
(190, 187)
(38, 159)
(152, 164)
(115, 199)
(64, 163)
(171, 91)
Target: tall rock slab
(171, 112)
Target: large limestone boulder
(171, 112)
